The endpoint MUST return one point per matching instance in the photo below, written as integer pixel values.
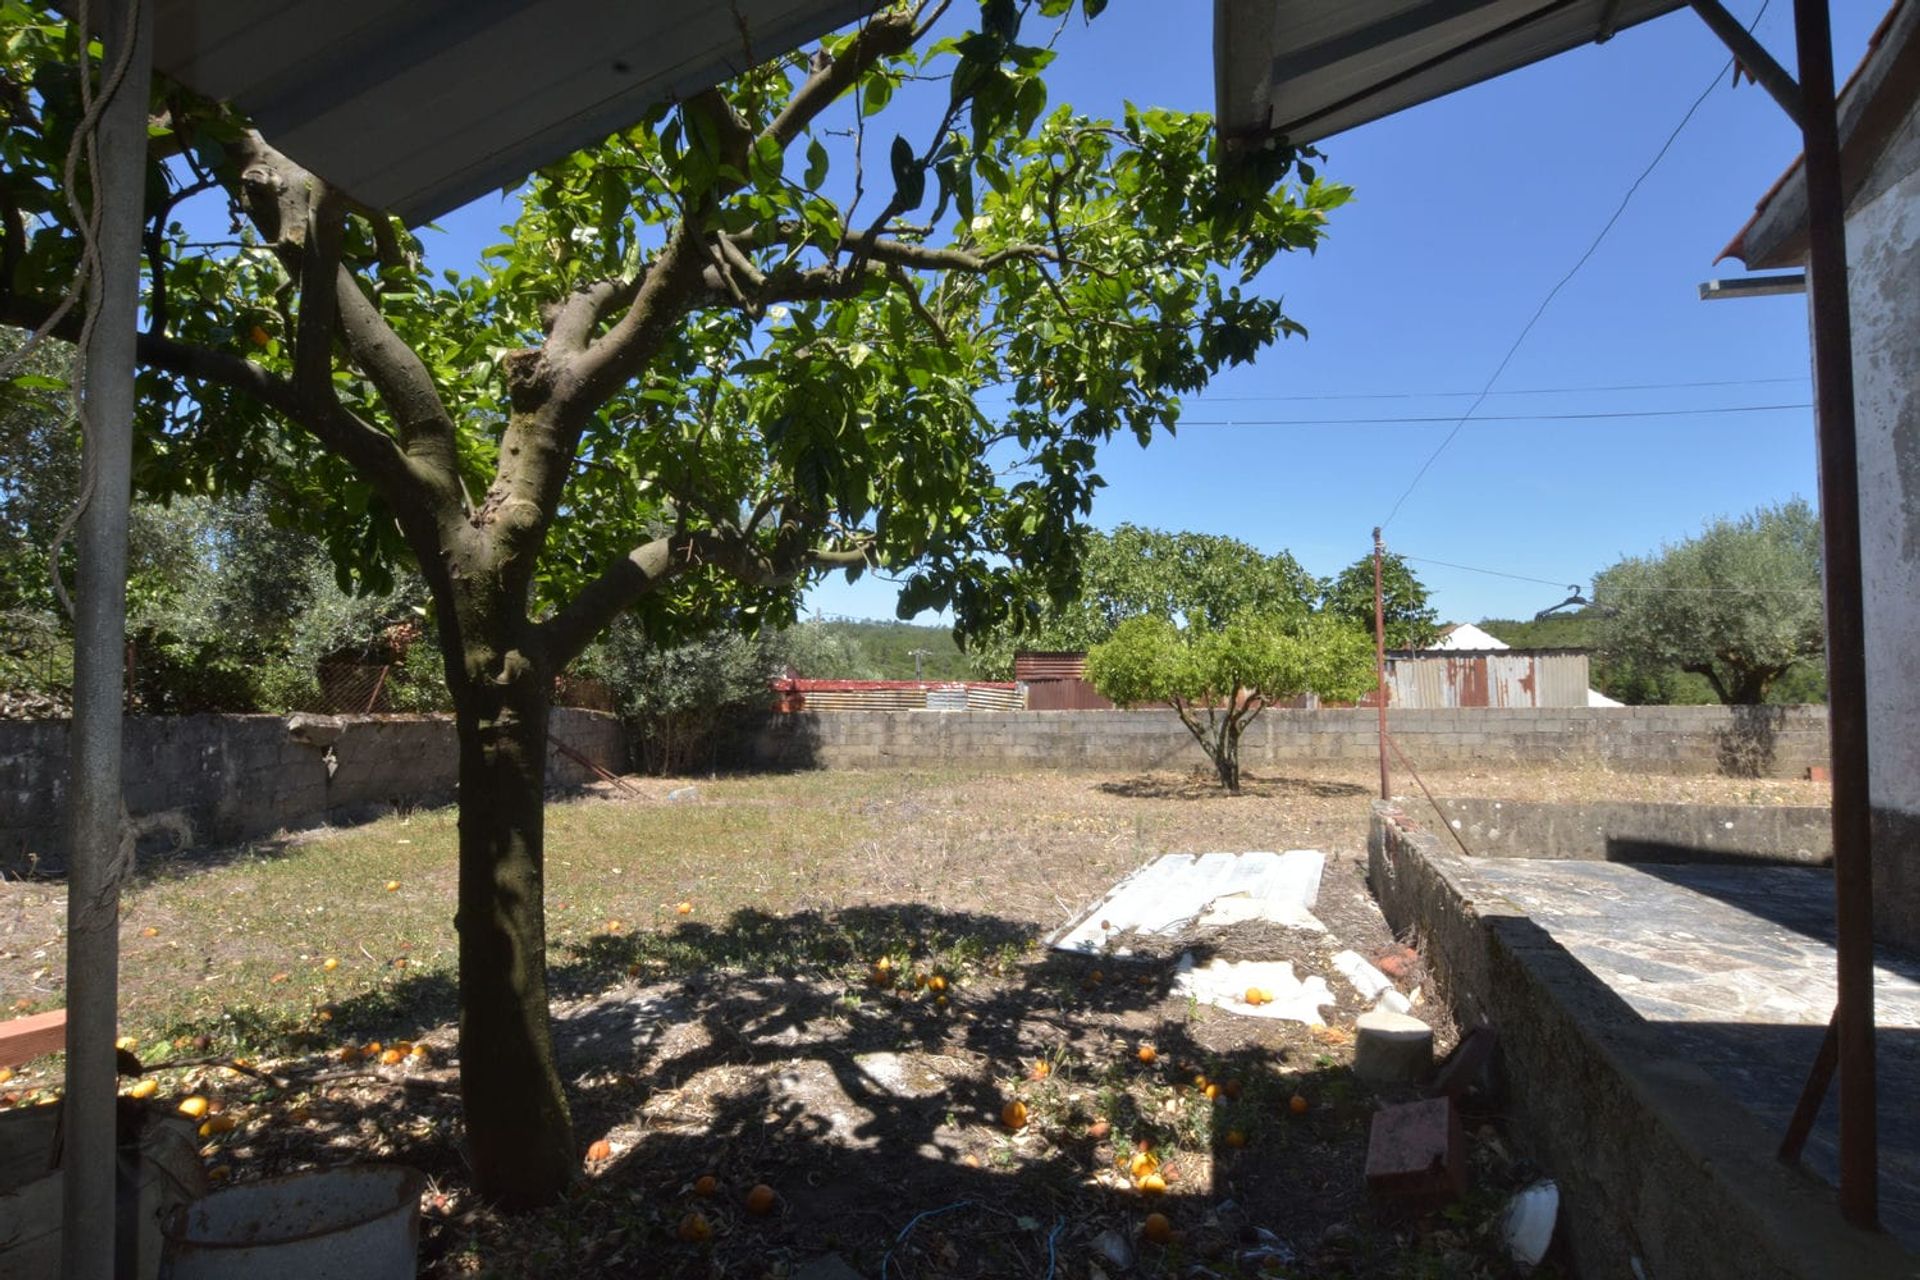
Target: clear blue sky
(1466, 211)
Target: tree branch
(890, 33)
(646, 568)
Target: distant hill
(867, 648)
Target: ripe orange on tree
(761, 1200)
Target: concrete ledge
(1657, 1165)
(1619, 831)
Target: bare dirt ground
(853, 997)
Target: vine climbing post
(1380, 659)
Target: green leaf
(816, 164)
(768, 162)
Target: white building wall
(1883, 253)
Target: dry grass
(798, 883)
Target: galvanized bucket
(360, 1222)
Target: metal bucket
(360, 1222)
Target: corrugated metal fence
(1057, 681)
(1494, 678)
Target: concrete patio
(1657, 1022)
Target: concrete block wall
(217, 778)
(1764, 741)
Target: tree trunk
(519, 1134)
(1226, 758)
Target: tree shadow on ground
(1202, 784)
(772, 1049)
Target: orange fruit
(149, 932)
(259, 335)
(1200, 1082)
(613, 926)
(1256, 996)
(393, 886)
(6, 1074)
(706, 1185)
(1142, 1164)
(392, 1057)
(1236, 1139)
(1298, 1105)
(1099, 1129)
(1014, 1114)
(194, 1107)
(330, 963)
(373, 1048)
(218, 1124)
(1157, 1228)
(685, 908)
(1042, 1069)
(1146, 1053)
(936, 983)
(1152, 1184)
(420, 1051)
(761, 1200)
(144, 1088)
(1213, 1092)
(600, 1150)
(940, 1002)
(695, 1229)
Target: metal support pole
(1753, 57)
(93, 819)
(1846, 641)
(1380, 661)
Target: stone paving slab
(1734, 968)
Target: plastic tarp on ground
(1178, 889)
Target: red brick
(1817, 773)
(1466, 1067)
(1416, 1155)
(26, 1038)
(1396, 961)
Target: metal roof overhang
(418, 106)
(1874, 105)
(1305, 69)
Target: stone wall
(216, 778)
(1766, 741)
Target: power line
(1554, 292)
(1618, 590)
(1205, 398)
(1492, 417)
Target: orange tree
(715, 356)
(1218, 679)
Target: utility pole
(918, 654)
(1380, 660)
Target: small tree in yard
(1739, 605)
(1219, 680)
(1411, 622)
(712, 358)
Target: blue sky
(1466, 211)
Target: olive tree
(733, 347)
(1219, 679)
(1738, 605)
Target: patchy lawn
(755, 1037)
